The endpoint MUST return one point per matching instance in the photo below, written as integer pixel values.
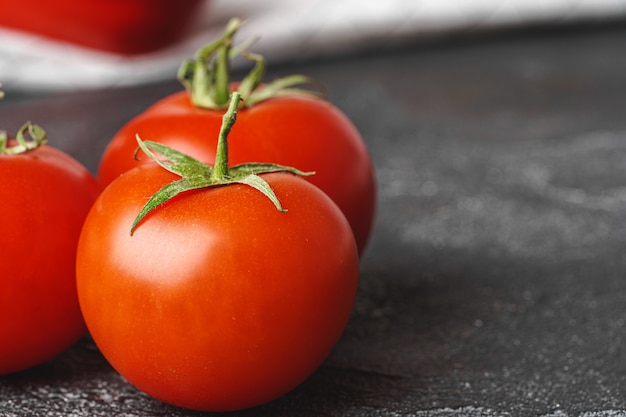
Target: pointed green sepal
(261, 185)
(254, 168)
(286, 86)
(175, 162)
(164, 194)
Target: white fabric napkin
(287, 30)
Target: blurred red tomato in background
(125, 27)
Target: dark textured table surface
(495, 283)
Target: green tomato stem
(220, 169)
(222, 91)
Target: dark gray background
(495, 280)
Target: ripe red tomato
(118, 26)
(44, 197)
(304, 132)
(218, 301)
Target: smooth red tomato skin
(44, 197)
(306, 133)
(218, 301)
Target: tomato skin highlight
(218, 301)
(44, 197)
(302, 132)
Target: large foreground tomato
(217, 301)
(304, 132)
(44, 197)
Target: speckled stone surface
(495, 283)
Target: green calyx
(196, 175)
(37, 137)
(206, 77)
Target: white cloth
(287, 29)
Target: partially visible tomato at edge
(218, 301)
(307, 133)
(45, 195)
